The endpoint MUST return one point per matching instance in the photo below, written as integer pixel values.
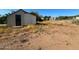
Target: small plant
(39, 48)
(24, 41)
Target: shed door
(18, 20)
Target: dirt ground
(49, 35)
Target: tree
(3, 19)
(47, 17)
(38, 17)
(65, 17)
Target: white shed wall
(25, 19)
(29, 19)
(11, 20)
(77, 18)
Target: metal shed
(20, 18)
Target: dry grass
(75, 22)
(45, 35)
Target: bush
(5, 30)
(75, 22)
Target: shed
(77, 18)
(20, 18)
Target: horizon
(46, 12)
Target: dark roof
(19, 10)
(22, 11)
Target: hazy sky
(48, 12)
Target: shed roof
(22, 11)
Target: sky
(47, 12)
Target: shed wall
(25, 19)
(29, 19)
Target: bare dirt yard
(48, 35)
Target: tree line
(3, 19)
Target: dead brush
(5, 30)
(24, 40)
(29, 28)
(17, 31)
(39, 48)
(8, 30)
(2, 30)
(39, 29)
(59, 24)
(75, 22)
